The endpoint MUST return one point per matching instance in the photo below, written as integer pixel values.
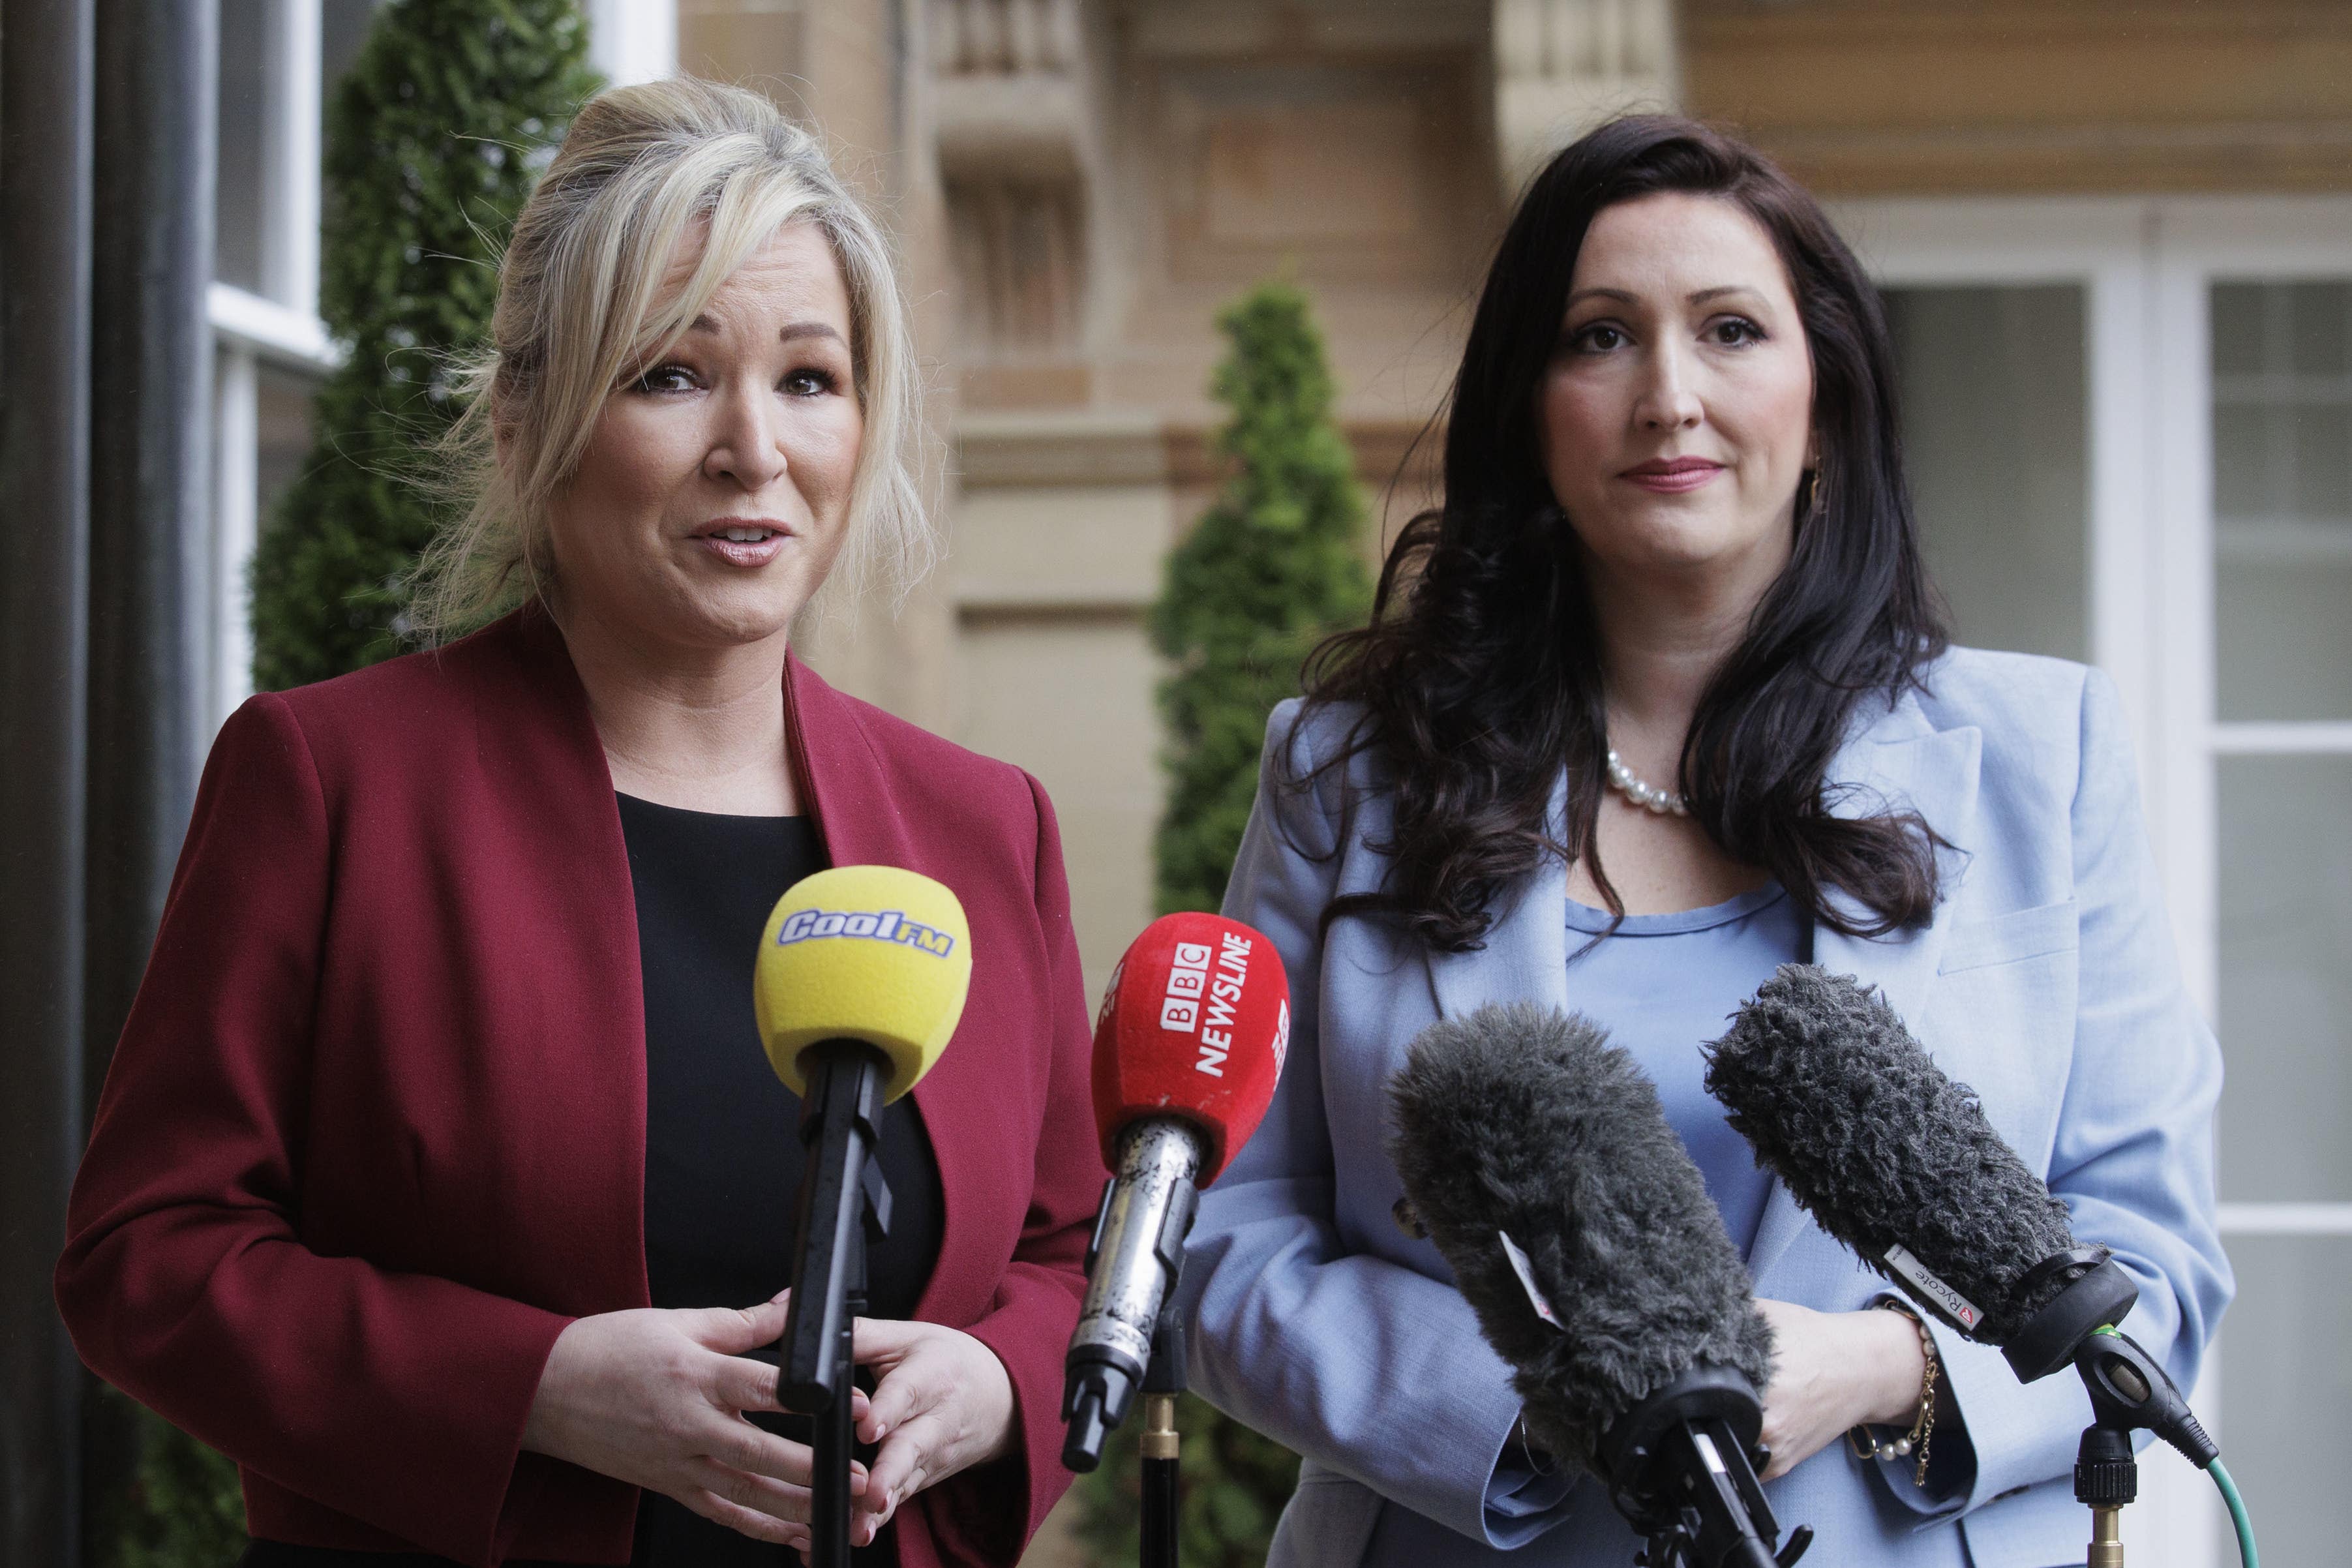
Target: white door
(2130, 429)
(2262, 293)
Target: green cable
(2246, 1526)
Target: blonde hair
(581, 306)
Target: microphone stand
(2130, 1390)
(1163, 1380)
(844, 1205)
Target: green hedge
(1274, 565)
(183, 1509)
(433, 141)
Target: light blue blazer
(2046, 981)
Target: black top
(722, 1148)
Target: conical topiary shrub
(1273, 566)
(433, 141)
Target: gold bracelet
(1865, 1444)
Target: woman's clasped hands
(942, 1403)
(1832, 1371)
(660, 1399)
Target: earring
(1817, 499)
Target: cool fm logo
(883, 925)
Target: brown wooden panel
(1886, 96)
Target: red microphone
(1188, 1046)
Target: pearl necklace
(1648, 796)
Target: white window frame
(2272, 239)
(2144, 266)
(279, 325)
(631, 40)
(2105, 248)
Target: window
(2207, 354)
(2280, 400)
(279, 60)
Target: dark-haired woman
(1657, 700)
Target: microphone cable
(2239, 1520)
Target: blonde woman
(439, 1179)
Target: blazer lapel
(1900, 761)
(839, 775)
(862, 823)
(557, 860)
(1896, 762)
(1525, 958)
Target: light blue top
(1662, 985)
(2046, 981)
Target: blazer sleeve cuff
(446, 1402)
(1372, 1371)
(1952, 1455)
(988, 1512)
(1985, 1395)
(1522, 1501)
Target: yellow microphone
(874, 954)
(860, 981)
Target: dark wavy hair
(1480, 670)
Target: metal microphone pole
(840, 1127)
(1163, 1380)
(833, 1433)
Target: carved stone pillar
(1016, 159)
(1562, 67)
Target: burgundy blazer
(375, 1130)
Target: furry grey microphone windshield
(1525, 1121)
(1882, 1148)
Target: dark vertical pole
(151, 433)
(150, 436)
(1160, 1443)
(45, 120)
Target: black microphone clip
(1101, 1378)
(2098, 1295)
(2130, 1391)
(1681, 1467)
